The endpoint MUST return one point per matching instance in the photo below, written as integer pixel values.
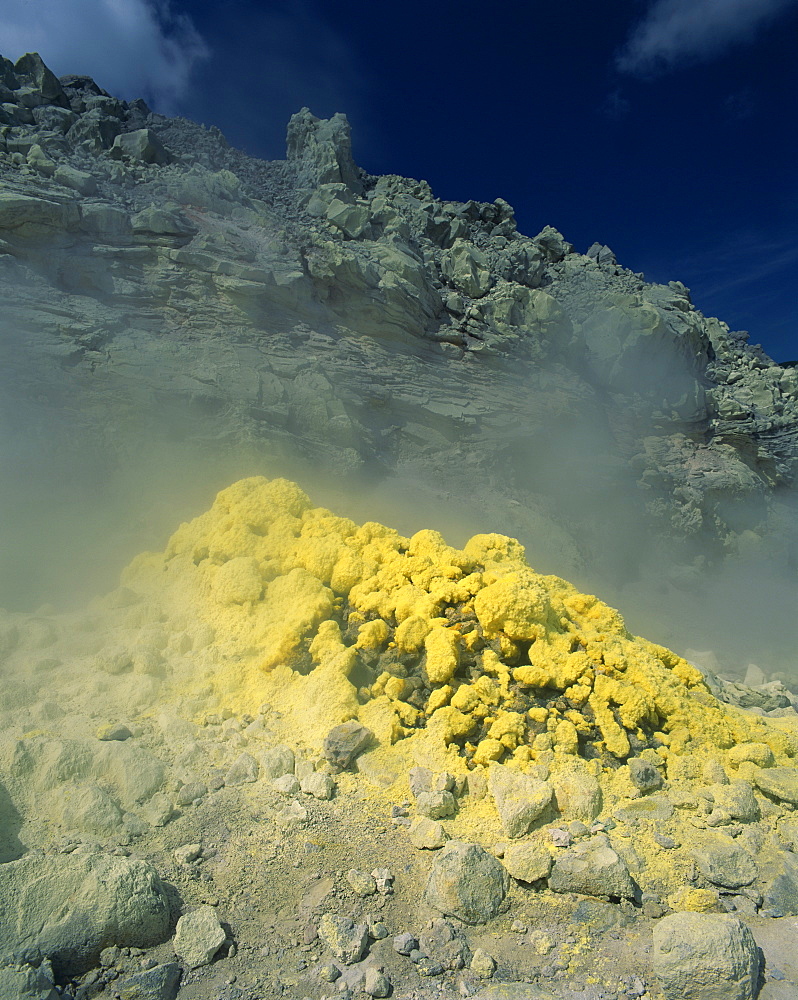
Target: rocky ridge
(159, 284)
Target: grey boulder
(344, 744)
(705, 956)
(466, 882)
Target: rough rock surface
(198, 936)
(68, 908)
(705, 957)
(467, 883)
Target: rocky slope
(173, 304)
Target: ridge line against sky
(618, 90)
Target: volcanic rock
(467, 883)
(705, 957)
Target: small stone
(117, 732)
(344, 744)
(187, 853)
(318, 784)
(198, 937)
(191, 792)
(560, 838)
(384, 879)
(519, 927)
(483, 964)
(109, 956)
(436, 804)
(361, 882)
(405, 943)
(427, 834)
(644, 774)
(347, 940)
(286, 785)
(292, 815)
(376, 984)
(377, 930)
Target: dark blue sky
(667, 129)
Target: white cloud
(132, 48)
(680, 31)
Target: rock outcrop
(159, 285)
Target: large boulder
(69, 907)
(705, 956)
(466, 882)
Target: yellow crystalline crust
(341, 620)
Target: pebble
(361, 882)
(483, 965)
(344, 744)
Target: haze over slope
(177, 314)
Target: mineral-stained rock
(427, 834)
(520, 799)
(277, 761)
(644, 775)
(780, 896)
(69, 908)
(318, 784)
(705, 956)
(527, 861)
(466, 882)
(347, 940)
(198, 936)
(344, 744)
(592, 868)
(436, 805)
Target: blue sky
(667, 129)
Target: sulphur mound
(467, 650)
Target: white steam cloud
(683, 31)
(132, 48)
